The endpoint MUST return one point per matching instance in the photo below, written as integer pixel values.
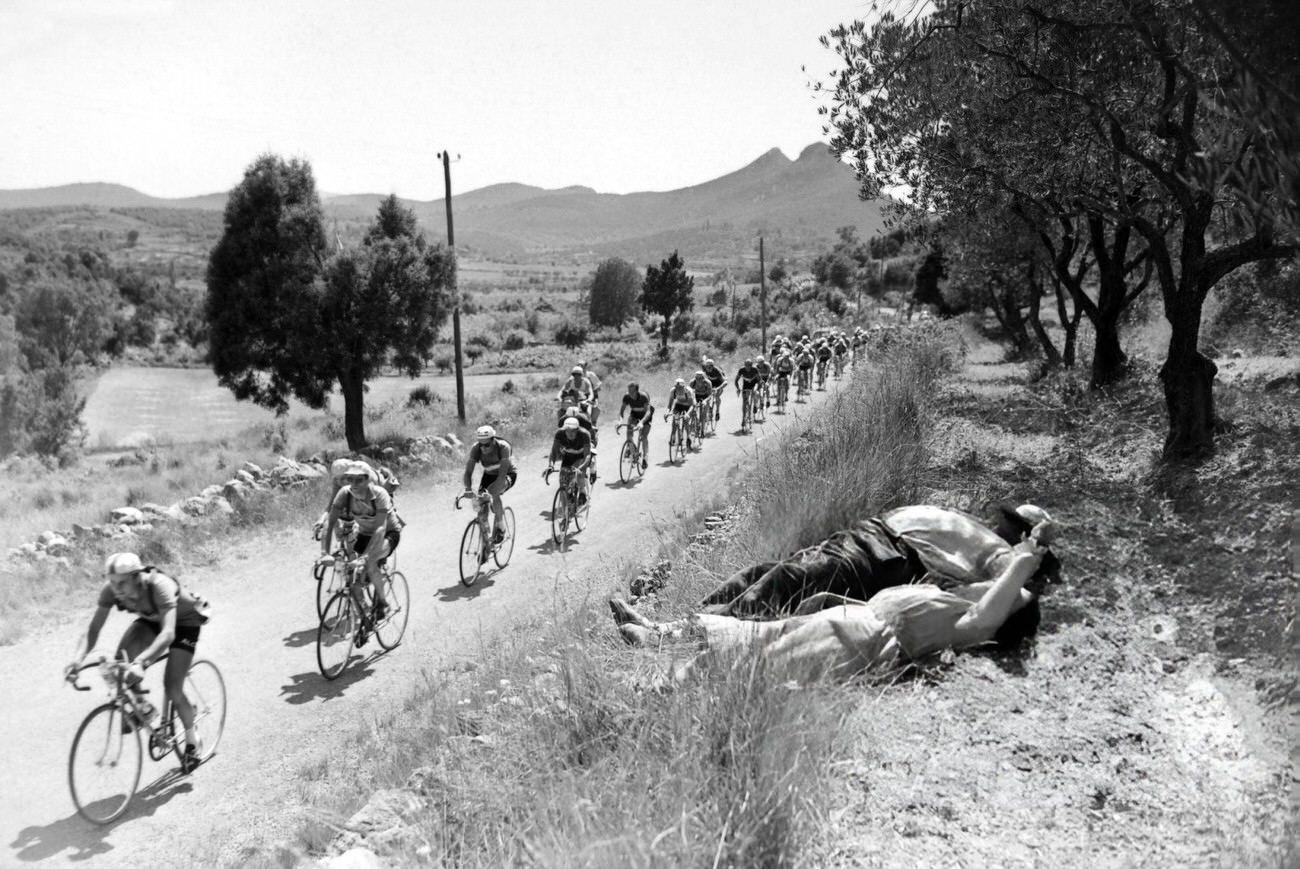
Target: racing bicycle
(328, 572)
(350, 615)
(477, 544)
(677, 436)
(782, 391)
(631, 460)
(568, 508)
(821, 374)
(108, 750)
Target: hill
(797, 204)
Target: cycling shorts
(682, 408)
(643, 418)
(186, 638)
(488, 480)
(392, 535)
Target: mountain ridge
(803, 202)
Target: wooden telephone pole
(455, 291)
(762, 298)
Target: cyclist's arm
(330, 521)
(470, 462)
(166, 633)
(92, 634)
(383, 505)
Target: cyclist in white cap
(499, 472)
(572, 449)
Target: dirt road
(283, 714)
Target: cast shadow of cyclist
(549, 546)
(309, 686)
(83, 839)
(458, 591)
(305, 637)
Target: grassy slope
(1145, 727)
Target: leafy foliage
(613, 293)
(285, 321)
(667, 291)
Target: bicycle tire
(329, 582)
(559, 518)
(640, 459)
(471, 551)
(206, 690)
(581, 512)
(626, 458)
(104, 782)
(503, 550)
(677, 448)
(397, 593)
(335, 635)
(760, 407)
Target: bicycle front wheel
(471, 553)
(626, 459)
(677, 446)
(397, 594)
(206, 691)
(580, 512)
(506, 547)
(559, 517)
(104, 765)
(329, 579)
(334, 636)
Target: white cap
(571, 423)
(120, 563)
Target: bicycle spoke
(206, 691)
(104, 765)
(501, 554)
(334, 637)
(397, 594)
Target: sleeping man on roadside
(869, 599)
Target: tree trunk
(1108, 360)
(354, 418)
(1050, 353)
(663, 336)
(1188, 378)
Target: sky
(177, 97)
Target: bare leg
(178, 666)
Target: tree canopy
(289, 319)
(667, 291)
(613, 293)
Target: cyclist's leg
(179, 658)
(135, 639)
(645, 440)
(496, 487)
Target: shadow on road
(549, 546)
(460, 592)
(305, 637)
(84, 840)
(306, 687)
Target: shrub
(422, 396)
(516, 339)
(571, 335)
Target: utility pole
(455, 291)
(762, 297)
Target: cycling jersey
(366, 510)
(823, 353)
(158, 594)
(572, 393)
(806, 361)
(716, 377)
(747, 378)
(495, 455)
(681, 399)
(764, 370)
(785, 366)
(702, 389)
(637, 408)
(594, 382)
(570, 447)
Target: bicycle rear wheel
(471, 553)
(334, 636)
(104, 765)
(559, 517)
(206, 690)
(626, 459)
(501, 554)
(397, 594)
(329, 579)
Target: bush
(516, 339)
(571, 335)
(423, 396)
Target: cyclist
(595, 390)
(636, 404)
(682, 399)
(705, 395)
(746, 381)
(572, 448)
(575, 390)
(337, 468)
(784, 368)
(719, 381)
(168, 622)
(823, 353)
(804, 359)
(764, 377)
(368, 504)
(841, 348)
(499, 472)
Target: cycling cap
(582, 363)
(485, 433)
(634, 386)
(759, 358)
(571, 423)
(360, 469)
(577, 369)
(120, 563)
(697, 374)
(749, 361)
(707, 361)
(339, 467)
(571, 411)
(681, 382)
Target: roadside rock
(126, 516)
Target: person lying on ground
(902, 546)
(836, 637)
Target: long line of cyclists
(361, 529)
